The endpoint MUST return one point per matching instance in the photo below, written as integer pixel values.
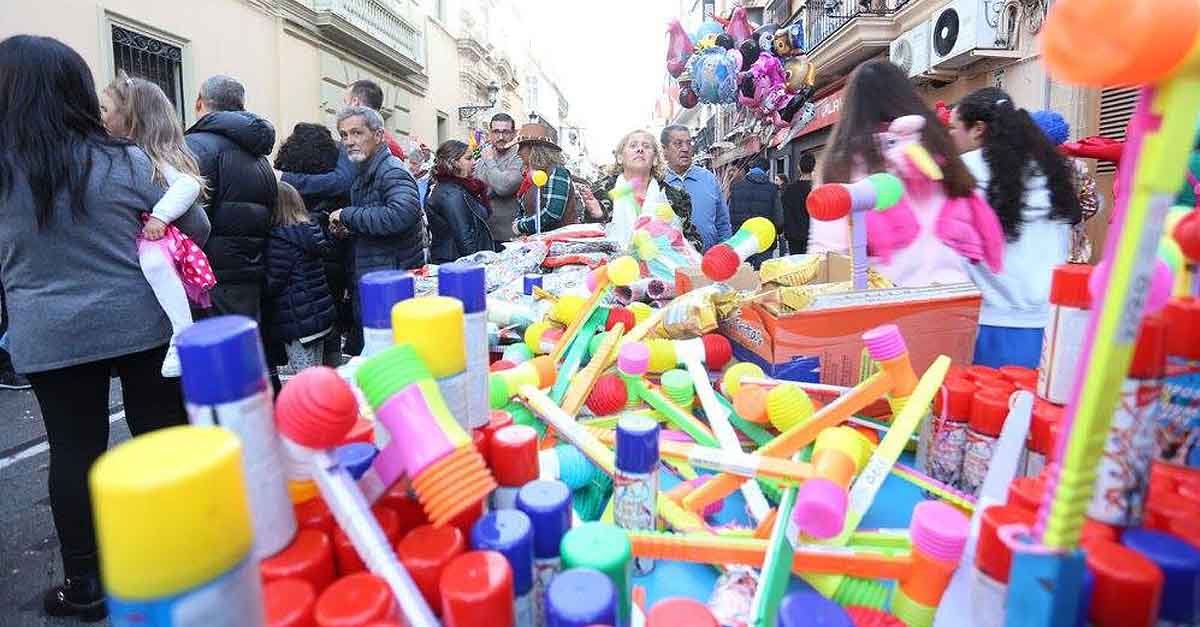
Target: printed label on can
(1034, 463)
(376, 341)
(1178, 422)
(1123, 474)
(524, 610)
(476, 338)
(544, 570)
(946, 452)
(454, 392)
(253, 420)
(977, 454)
(1062, 345)
(988, 598)
(232, 600)
(635, 506)
(717, 459)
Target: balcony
(840, 34)
(385, 31)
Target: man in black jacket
(755, 196)
(385, 221)
(795, 205)
(231, 146)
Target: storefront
(789, 144)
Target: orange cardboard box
(823, 343)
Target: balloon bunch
(762, 68)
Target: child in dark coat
(300, 309)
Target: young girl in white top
(174, 266)
(1030, 186)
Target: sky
(610, 58)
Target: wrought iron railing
(394, 23)
(824, 18)
(704, 138)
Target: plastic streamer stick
(947, 493)
(582, 384)
(574, 355)
(743, 464)
(796, 437)
(871, 479)
(776, 568)
(723, 549)
(1157, 47)
(568, 429)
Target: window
(439, 10)
(157, 61)
(443, 133)
(1116, 109)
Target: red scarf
(474, 186)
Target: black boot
(81, 595)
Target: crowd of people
(121, 227)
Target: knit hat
(1057, 129)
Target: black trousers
(74, 404)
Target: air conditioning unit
(910, 50)
(957, 30)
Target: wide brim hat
(534, 133)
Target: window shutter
(1116, 109)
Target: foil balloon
(706, 29)
(688, 98)
(714, 76)
(800, 75)
(750, 52)
(725, 41)
(798, 103)
(765, 35)
(735, 55)
(788, 41)
(679, 48)
(685, 79)
(739, 26)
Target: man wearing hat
(538, 149)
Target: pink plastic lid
(939, 530)
(634, 358)
(820, 509)
(885, 342)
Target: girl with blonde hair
(638, 161)
(174, 265)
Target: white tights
(160, 272)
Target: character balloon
(765, 35)
(739, 26)
(707, 28)
(688, 98)
(750, 52)
(714, 76)
(725, 41)
(788, 41)
(679, 48)
(800, 75)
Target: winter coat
(384, 217)
(755, 196)
(457, 223)
(681, 204)
(298, 302)
(336, 261)
(795, 212)
(231, 149)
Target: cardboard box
(823, 343)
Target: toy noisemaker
(315, 411)
(721, 262)
(834, 201)
(435, 327)
(428, 445)
(505, 384)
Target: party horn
(721, 262)
(503, 385)
(834, 201)
(1155, 45)
(448, 475)
(838, 455)
(314, 412)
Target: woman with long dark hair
(1030, 186)
(71, 200)
(877, 94)
(458, 207)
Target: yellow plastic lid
(434, 326)
(171, 511)
(302, 491)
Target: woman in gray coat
(80, 308)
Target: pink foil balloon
(679, 48)
(739, 26)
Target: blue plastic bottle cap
(356, 457)
(379, 291)
(548, 506)
(806, 608)
(637, 443)
(465, 282)
(1180, 565)
(531, 281)
(580, 597)
(509, 532)
(222, 360)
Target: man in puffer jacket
(231, 146)
(386, 225)
(752, 197)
